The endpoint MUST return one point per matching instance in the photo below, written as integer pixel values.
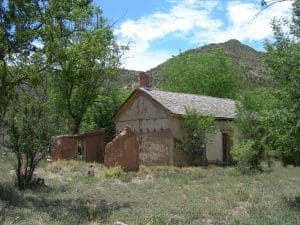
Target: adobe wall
(64, 147)
(143, 116)
(156, 147)
(156, 130)
(151, 124)
(214, 147)
(94, 146)
(123, 150)
(67, 147)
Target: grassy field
(153, 196)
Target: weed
(154, 195)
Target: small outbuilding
(156, 118)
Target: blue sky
(157, 29)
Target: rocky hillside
(248, 59)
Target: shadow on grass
(293, 203)
(9, 194)
(69, 210)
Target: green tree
(76, 56)
(283, 59)
(253, 140)
(212, 74)
(196, 129)
(20, 22)
(29, 128)
(82, 55)
(269, 119)
(101, 113)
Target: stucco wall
(143, 116)
(151, 124)
(214, 147)
(156, 130)
(156, 148)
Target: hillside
(249, 60)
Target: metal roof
(177, 103)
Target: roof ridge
(156, 89)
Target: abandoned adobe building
(156, 118)
(147, 125)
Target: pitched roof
(176, 103)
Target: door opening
(227, 144)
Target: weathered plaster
(156, 130)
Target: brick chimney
(144, 80)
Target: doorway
(227, 144)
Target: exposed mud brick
(65, 147)
(123, 151)
(88, 147)
(93, 146)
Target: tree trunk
(3, 93)
(76, 127)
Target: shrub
(111, 172)
(194, 143)
(247, 157)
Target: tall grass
(153, 196)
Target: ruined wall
(88, 147)
(123, 150)
(64, 147)
(94, 146)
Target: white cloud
(244, 23)
(183, 17)
(193, 20)
(144, 60)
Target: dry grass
(153, 196)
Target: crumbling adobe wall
(123, 151)
(64, 147)
(92, 147)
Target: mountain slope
(249, 60)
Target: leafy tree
(61, 51)
(196, 128)
(283, 59)
(29, 128)
(253, 140)
(20, 22)
(100, 114)
(212, 74)
(82, 55)
(268, 120)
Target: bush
(111, 172)
(247, 157)
(194, 143)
